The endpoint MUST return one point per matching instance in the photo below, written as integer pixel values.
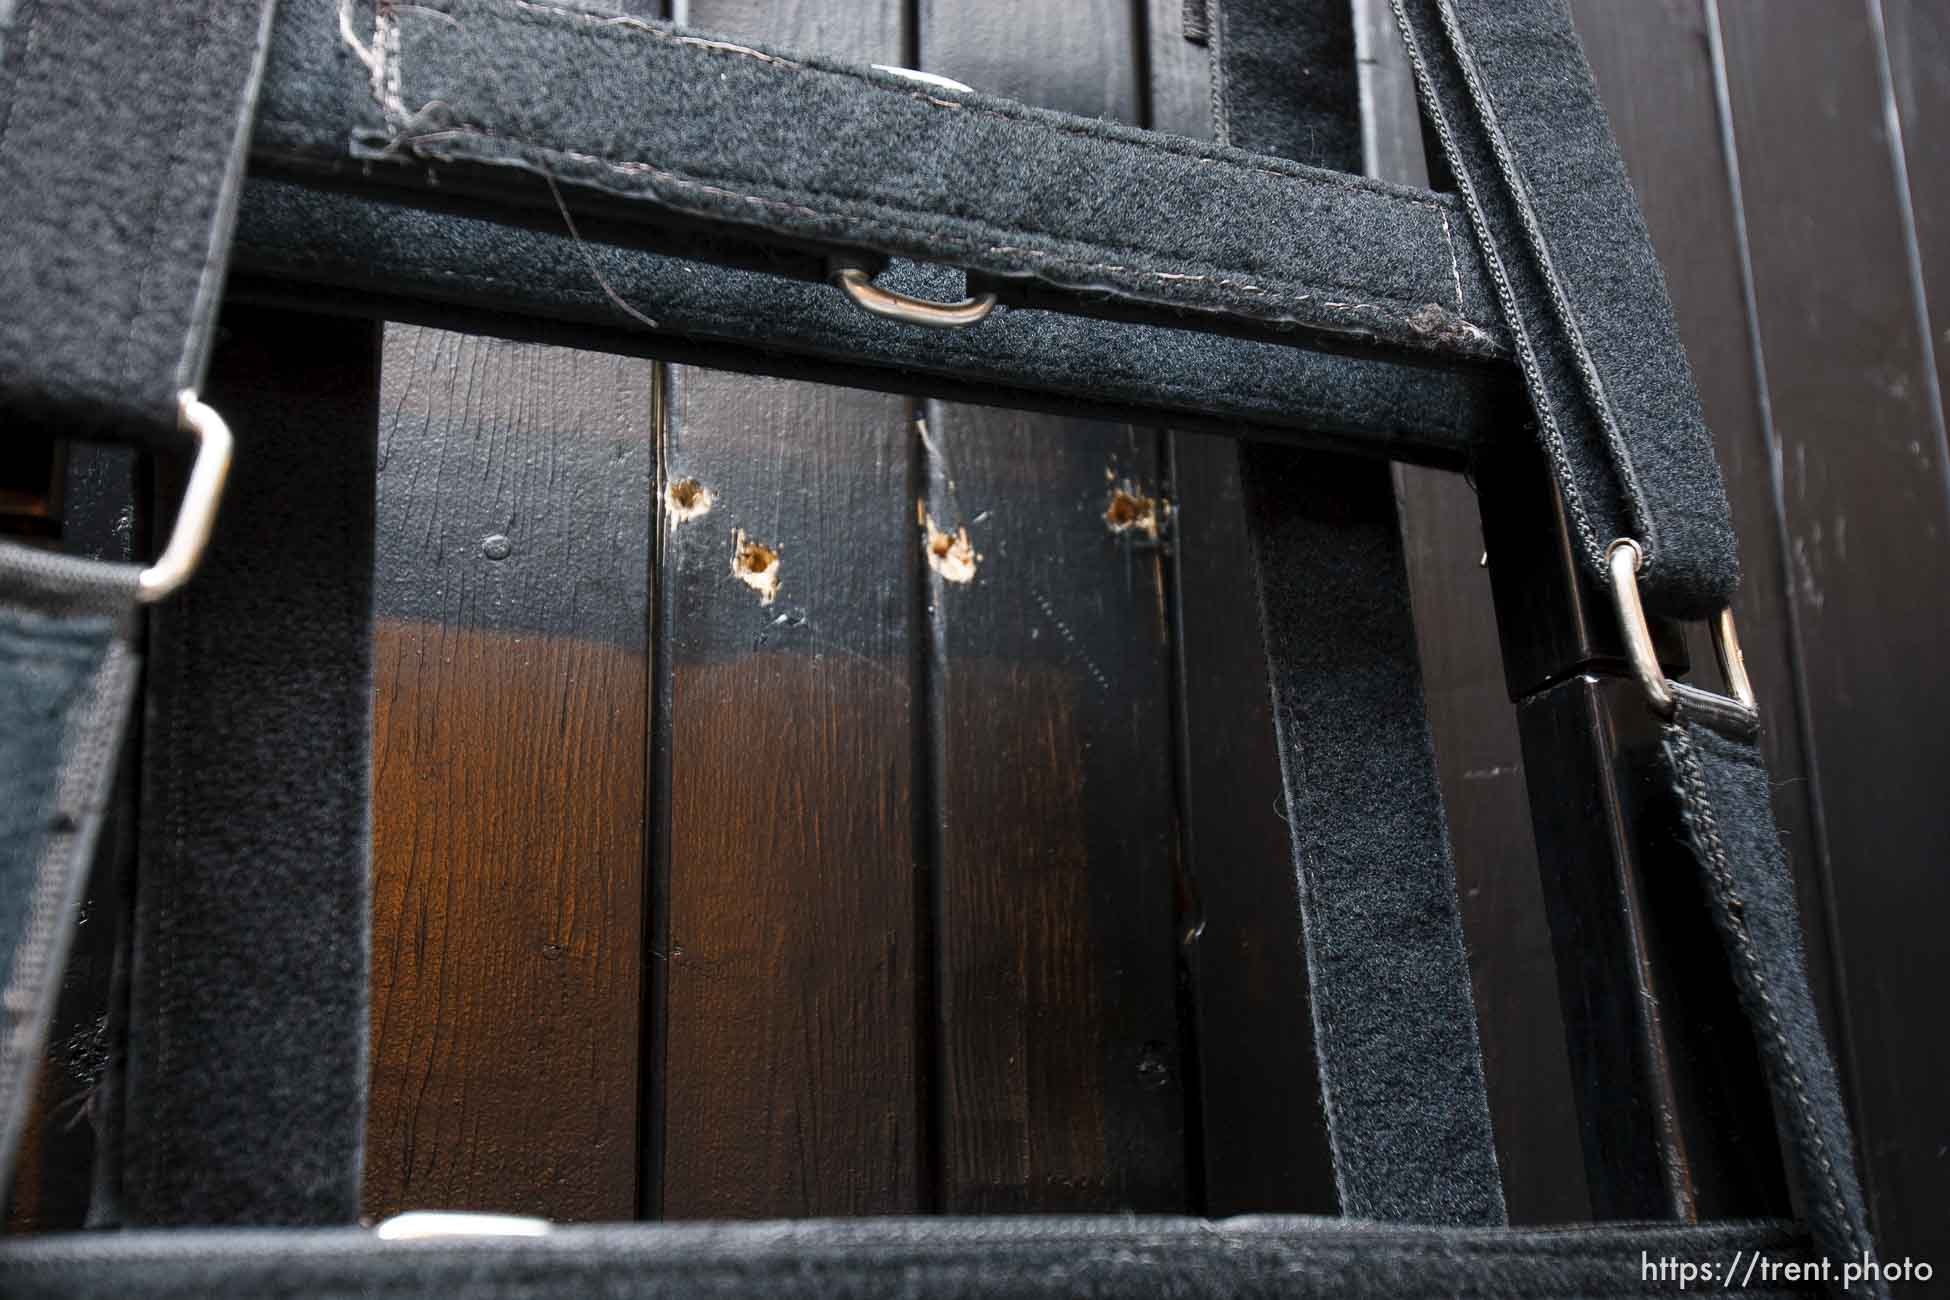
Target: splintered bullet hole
(1130, 509)
(685, 500)
(951, 555)
(756, 565)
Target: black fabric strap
(348, 252)
(1713, 757)
(1401, 1072)
(1283, 80)
(904, 1259)
(246, 1076)
(1506, 85)
(797, 157)
(122, 133)
(1394, 1020)
(67, 675)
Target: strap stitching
(385, 61)
(1567, 320)
(1700, 816)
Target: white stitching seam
(384, 59)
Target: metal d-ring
(1624, 557)
(868, 296)
(198, 513)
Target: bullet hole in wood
(1131, 511)
(756, 565)
(685, 500)
(951, 555)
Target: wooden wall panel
(1856, 410)
(794, 1070)
(510, 710)
(1917, 41)
(1062, 1070)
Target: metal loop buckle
(198, 513)
(868, 296)
(1624, 558)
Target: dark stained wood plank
(510, 711)
(1062, 1070)
(1261, 1132)
(1850, 383)
(792, 1084)
(794, 1072)
(1917, 41)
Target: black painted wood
(510, 712)
(1062, 1070)
(794, 931)
(1841, 299)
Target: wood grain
(1852, 389)
(795, 1045)
(1062, 1066)
(791, 1058)
(510, 712)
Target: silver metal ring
(1624, 558)
(868, 296)
(198, 513)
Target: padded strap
(246, 1076)
(1713, 757)
(122, 133)
(309, 246)
(901, 1259)
(1401, 1073)
(1394, 1019)
(67, 675)
(797, 157)
(1283, 80)
(1507, 88)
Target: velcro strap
(67, 675)
(779, 159)
(1506, 85)
(1712, 756)
(122, 132)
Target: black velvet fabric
(1716, 769)
(1326, 533)
(905, 1259)
(468, 95)
(1283, 80)
(466, 272)
(67, 673)
(246, 1074)
(1513, 101)
(122, 131)
(1401, 1070)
